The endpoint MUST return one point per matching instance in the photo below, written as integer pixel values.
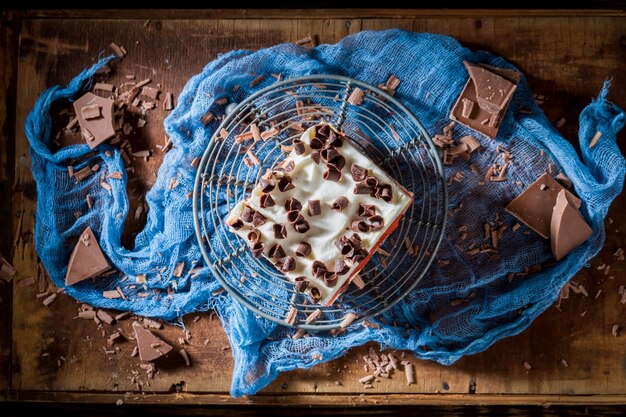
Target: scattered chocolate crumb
(356, 97)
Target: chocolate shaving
(358, 172)
(315, 294)
(360, 226)
(289, 264)
(258, 219)
(366, 210)
(285, 184)
(303, 250)
(361, 188)
(315, 156)
(314, 208)
(318, 268)
(301, 283)
(267, 184)
(247, 214)
(340, 267)
(340, 204)
(257, 249)
(332, 174)
(266, 200)
(276, 252)
(293, 204)
(330, 279)
(302, 227)
(280, 231)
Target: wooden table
(47, 355)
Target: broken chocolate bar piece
(568, 228)
(96, 128)
(87, 260)
(482, 104)
(534, 205)
(150, 347)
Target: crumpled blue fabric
(426, 322)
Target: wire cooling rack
(383, 129)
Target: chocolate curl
(343, 245)
(315, 156)
(280, 231)
(317, 143)
(355, 240)
(276, 252)
(290, 166)
(360, 226)
(331, 174)
(384, 192)
(289, 264)
(340, 204)
(318, 268)
(266, 200)
(359, 255)
(314, 208)
(315, 294)
(371, 182)
(236, 224)
(247, 213)
(330, 279)
(334, 140)
(301, 283)
(258, 219)
(361, 188)
(302, 227)
(303, 250)
(376, 222)
(298, 146)
(257, 249)
(340, 267)
(267, 184)
(284, 184)
(293, 204)
(253, 236)
(367, 210)
(358, 172)
(329, 154)
(294, 217)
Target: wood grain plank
(561, 61)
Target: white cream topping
(330, 225)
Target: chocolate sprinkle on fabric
(340, 204)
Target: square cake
(320, 214)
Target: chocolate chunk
(314, 208)
(376, 222)
(276, 252)
(258, 219)
(358, 172)
(303, 250)
(568, 228)
(330, 279)
(340, 267)
(290, 166)
(294, 216)
(301, 283)
(302, 227)
(284, 184)
(149, 346)
(318, 268)
(315, 294)
(293, 204)
(289, 264)
(361, 188)
(384, 192)
(340, 204)
(366, 210)
(331, 174)
(280, 231)
(257, 249)
(315, 156)
(87, 260)
(253, 236)
(99, 129)
(317, 143)
(360, 226)
(236, 224)
(267, 185)
(247, 214)
(266, 200)
(298, 146)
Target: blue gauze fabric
(432, 75)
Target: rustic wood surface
(56, 357)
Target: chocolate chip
(301, 283)
(298, 146)
(289, 264)
(315, 156)
(314, 208)
(358, 172)
(284, 184)
(290, 166)
(258, 219)
(303, 250)
(316, 294)
(376, 222)
(361, 188)
(267, 184)
(247, 213)
(257, 249)
(293, 204)
(340, 204)
(317, 143)
(236, 224)
(294, 216)
(302, 227)
(367, 210)
(340, 267)
(331, 174)
(253, 236)
(280, 231)
(318, 268)
(360, 226)
(330, 279)
(266, 200)
(276, 252)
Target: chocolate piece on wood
(482, 104)
(534, 206)
(87, 259)
(568, 228)
(97, 129)
(150, 347)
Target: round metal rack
(383, 129)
